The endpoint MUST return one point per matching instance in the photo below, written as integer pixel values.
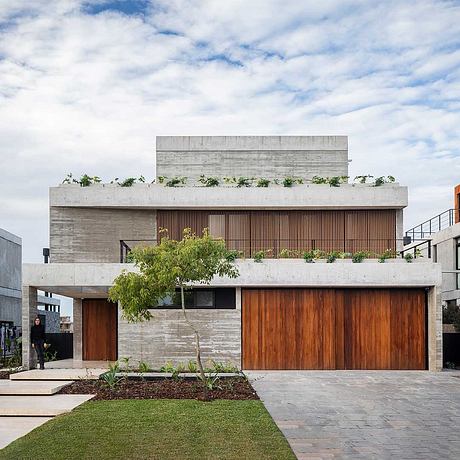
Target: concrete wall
(252, 156)
(167, 337)
(444, 246)
(10, 277)
(93, 235)
(157, 196)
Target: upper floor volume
(284, 172)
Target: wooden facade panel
(334, 329)
(252, 231)
(99, 318)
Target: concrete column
(238, 298)
(434, 329)
(77, 330)
(29, 313)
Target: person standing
(37, 338)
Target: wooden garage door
(334, 329)
(99, 330)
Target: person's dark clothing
(37, 333)
(37, 337)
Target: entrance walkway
(29, 399)
(365, 414)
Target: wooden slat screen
(251, 231)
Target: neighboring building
(443, 231)
(10, 279)
(66, 324)
(279, 314)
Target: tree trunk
(197, 344)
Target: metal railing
(294, 248)
(435, 224)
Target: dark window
(217, 298)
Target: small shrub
(408, 257)
(262, 183)
(110, 377)
(233, 254)
(319, 180)
(168, 367)
(310, 256)
(230, 180)
(359, 256)
(224, 367)
(192, 367)
(332, 256)
(175, 181)
(284, 254)
(127, 182)
(288, 182)
(143, 367)
(208, 181)
(243, 182)
(334, 181)
(260, 255)
(382, 180)
(363, 179)
(161, 179)
(387, 254)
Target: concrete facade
(166, 337)
(10, 277)
(93, 235)
(270, 157)
(444, 248)
(157, 196)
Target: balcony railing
(295, 248)
(435, 224)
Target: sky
(85, 86)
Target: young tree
(170, 265)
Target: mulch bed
(227, 388)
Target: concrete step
(40, 406)
(59, 374)
(12, 428)
(25, 387)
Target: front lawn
(156, 429)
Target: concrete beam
(157, 196)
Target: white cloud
(88, 93)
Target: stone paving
(365, 414)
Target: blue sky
(86, 85)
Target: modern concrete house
(282, 313)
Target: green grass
(156, 429)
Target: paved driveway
(365, 414)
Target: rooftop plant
(208, 181)
(387, 254)
(383, 180)
(359, 256)
(262, 182)
(363, 179)
(311, 255)
(175, 181)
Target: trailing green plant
(110, 377)
(359, 256)
(259, 256)
(319, 180)
(244, 181)
(408, 257)
(363, 179)
(387, 254)
(262, 182)
(332, 256)
(175, 181)
(311, 255)
(208, 181)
